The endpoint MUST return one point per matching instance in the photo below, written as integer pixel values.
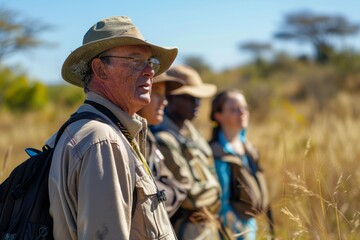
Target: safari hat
(104, 35)
(172, 83)
(193, 85)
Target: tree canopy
(317, 29)
(256, 48)
(17, 34)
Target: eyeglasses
(140, 64)
(236, 110)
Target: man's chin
(144, 99)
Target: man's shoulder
(87, 132)
(167, 138)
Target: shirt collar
(134, 124)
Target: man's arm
(104, 193)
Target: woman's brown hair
(217, 106)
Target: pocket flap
(147, 185)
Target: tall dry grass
(310, 159)
(311, 162)
(22, 130)
(313, 176)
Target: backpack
(249, 195)
(24, 195)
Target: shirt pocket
(156, 220)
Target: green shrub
(19, 93)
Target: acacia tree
(17, 92)
(317, 29)
(256, 48)
(17, 34)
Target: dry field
(311, 165)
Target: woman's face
(234, 114)
(154, 111)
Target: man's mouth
(145, 86)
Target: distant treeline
(264, 82)
(18, 93)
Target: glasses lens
(141, 64)
(155, 64)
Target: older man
(100, 186)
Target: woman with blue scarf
(236, 159)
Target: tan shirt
(175, 191)
(93, 178)
(189, 157)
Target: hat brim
(85, 53)
(203, 91)
(172, 83)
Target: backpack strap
(104, 110)
(126, 133)
(252, 152)
(186, 145)
(219, 153)
(75, 117)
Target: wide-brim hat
(104, 35)
(193, 84)
(172, 83)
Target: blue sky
(208, 29)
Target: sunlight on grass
(311, 164)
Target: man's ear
(99, 69)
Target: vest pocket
(156, 220)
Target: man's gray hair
(84, 71)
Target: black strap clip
(161, 195)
